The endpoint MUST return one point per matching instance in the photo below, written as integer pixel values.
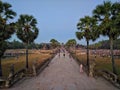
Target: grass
(101, 62)
(19, 62)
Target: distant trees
(87, 27)
(54, 43)
(20, 45)
(71, 43)
(6, 28)
(27, 31)
(105, 44)
(15, 45)
(108, 16)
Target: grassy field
(101, 62)
(19, 62)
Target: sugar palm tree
(106, 14)
(87, 27)
(27, 31)
(6, 28)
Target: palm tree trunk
(112, 56)
(27, 56)
(0, 68)
(87, 56)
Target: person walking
(64, 54)
(81, 68)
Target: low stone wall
(38, 68)
(12, 78)
(15, 77)
(79, 62)
(113, 78)
(105, 73)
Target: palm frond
(79, 35)
(26, 28)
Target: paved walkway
(63, 73)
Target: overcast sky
(56, 18)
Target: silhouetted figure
(64, 54)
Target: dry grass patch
(19, 62)
(101, 62)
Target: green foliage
(26, 28)
(71, 42)
(2, 50)
(54, 43)
(26, 31)
(88, 28)
(79, 35)
(20, 45)
(6, 29)
(105, 44)
(15, 45)
(107, 15)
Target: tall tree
(6, 27)
(87, 27)
(27, 31)
(107, 14)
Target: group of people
(62, 50)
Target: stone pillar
(11, 76)
(12, 69)
(34, 68)
(92, 66)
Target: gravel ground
(63, 73)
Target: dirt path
(63, 74)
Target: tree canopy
(7, 28)
(26, 28)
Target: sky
(56, 18)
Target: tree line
(20, 45)
(105, 44)
(52, 44)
